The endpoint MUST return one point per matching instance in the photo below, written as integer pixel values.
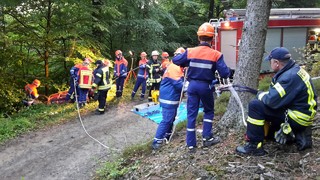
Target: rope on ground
(82, 124)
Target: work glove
(185, 86)
(95, 95)
(284, 133)
(211, 86)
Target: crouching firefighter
(31, 92)
(289, 106)
(170, 91)
(102, 83)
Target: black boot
(156, 145)
(251, 148)
(304, 139)
(97, 112)
(210, 141)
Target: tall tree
(250, 57)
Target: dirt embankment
(221, 162)
(66, 152)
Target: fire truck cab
(296, 29)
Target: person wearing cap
(102, 84)
(154, 73)
(289, 106)
(143, 74)
(202, 62)
(31, 92)
(120, 72)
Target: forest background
(43, 39)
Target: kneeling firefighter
(102, 83)
(31, 92)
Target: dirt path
(66, 152)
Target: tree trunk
(250, 58)
(46, 46)
(211, 8)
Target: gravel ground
(66, 152)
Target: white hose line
(314, 78)
(235, 94)
(83, 127)
(177, 116)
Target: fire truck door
(229, 47)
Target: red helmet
(87, 61)
(164, 55)
(143, 54)
(36, 82)
(206, 29)
(118, 52)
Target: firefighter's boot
(304, 139)
(210, 141)
(251, 148)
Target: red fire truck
(295, 29)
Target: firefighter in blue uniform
(170, 91)
(102, 83)
(143, 74)
(155, 72)
(120, 72)
(289, 105)
(76, 82)
(203, 61)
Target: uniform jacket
(154, 76)
(31, 91)
(171, 86)
(291, 89)
(74, 71)
(120, 67)
(102, 78)
(203, 61)
(143, 69)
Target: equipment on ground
(146, 108)
(155, 96)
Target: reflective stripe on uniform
(157, 139)
(280, 89)
(200, 65)
(188, 129)
(306, 79)
(168, 101)
(258, 122)
(300, 118)
(207, 120)
(260, 96)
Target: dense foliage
(43, 38)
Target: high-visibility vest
(85, 77)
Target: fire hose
(79, 115)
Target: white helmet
(155, 53)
